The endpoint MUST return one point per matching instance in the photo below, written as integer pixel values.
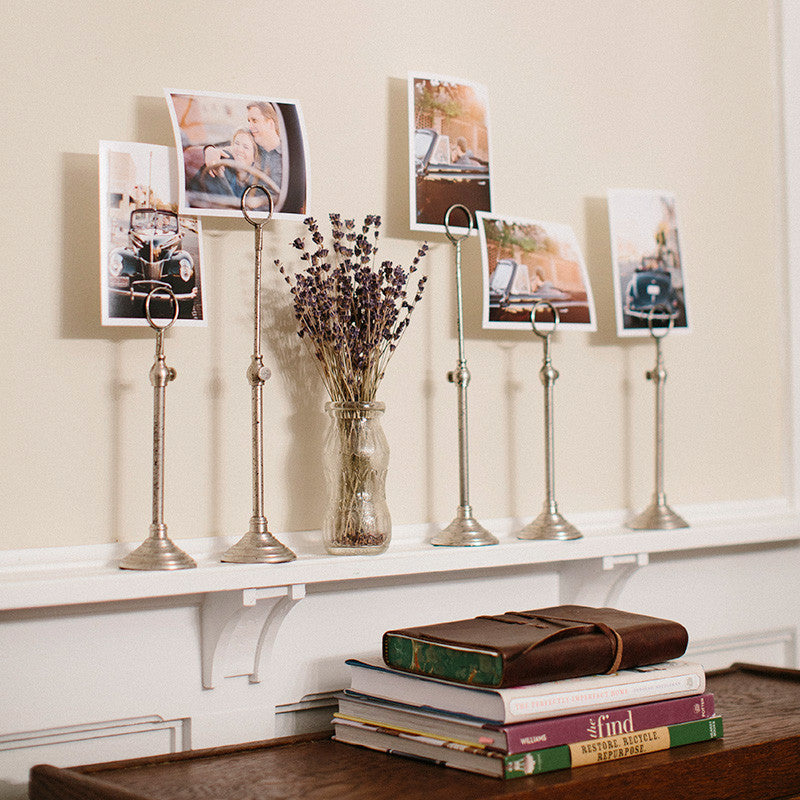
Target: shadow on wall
(13, 791)
(293, 373)
(601, 275)
(397, 214)
(80, 302)
(430, 423)
(599, 268)
(153, 124)
(80, 235)
(513, 392)
(80, 262)
(295, 368)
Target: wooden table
(759, 757)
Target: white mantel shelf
(88, 574)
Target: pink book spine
(535, 735)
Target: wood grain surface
(759, 757)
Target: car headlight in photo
(186, 269)
(115, 264)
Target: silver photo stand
(258, 545)
(464, 530)
(658, 515)
(158, 551)
(549, 524)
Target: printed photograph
(448, 151)
(226, 143)
(648, 270)
(144, 242)
(526, 262)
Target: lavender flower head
(351, 309)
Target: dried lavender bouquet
(352, 311)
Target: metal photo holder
(158, 551)
(658, 515)
(464, 530)
(258, 545)
(549, 524)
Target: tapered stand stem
(658, 515)
(549, 524)
(258, 545)
(464, 530)
(158, 551)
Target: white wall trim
(786, 34)
(782, 640)
(90, 574)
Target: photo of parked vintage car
(144, 243)
(510, 288)
(441, 183)
(651, 295)
(526, 262)
(448, 149)
(152, 258)
(649, 282)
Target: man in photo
(263, 121)
(226, 143)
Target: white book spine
(523, 703)
(523, 708)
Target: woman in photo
(244, 150)
(218, 178)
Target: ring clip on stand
(549, 524)
(658, 516)
(158, 551)
(464, 530)
(258, 545)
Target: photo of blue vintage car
(649, 276)
(650, 293)
(153, 257)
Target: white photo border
(243, 98)
(481, 91)
(614, 196)
(168, 159)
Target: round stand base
(464, 531)
(549, 525)
(658, 516)
(157, 552)
(258, 546)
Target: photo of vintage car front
(649, 282)
(145, 245)
(448, 149)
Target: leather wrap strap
(540, 621)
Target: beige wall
(583, 96)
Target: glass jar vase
(356, 453)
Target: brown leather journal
(546, 644)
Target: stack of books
(510, 731)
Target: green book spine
(536, 762)
(611, 748)
(429, 658)
(700, 730)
